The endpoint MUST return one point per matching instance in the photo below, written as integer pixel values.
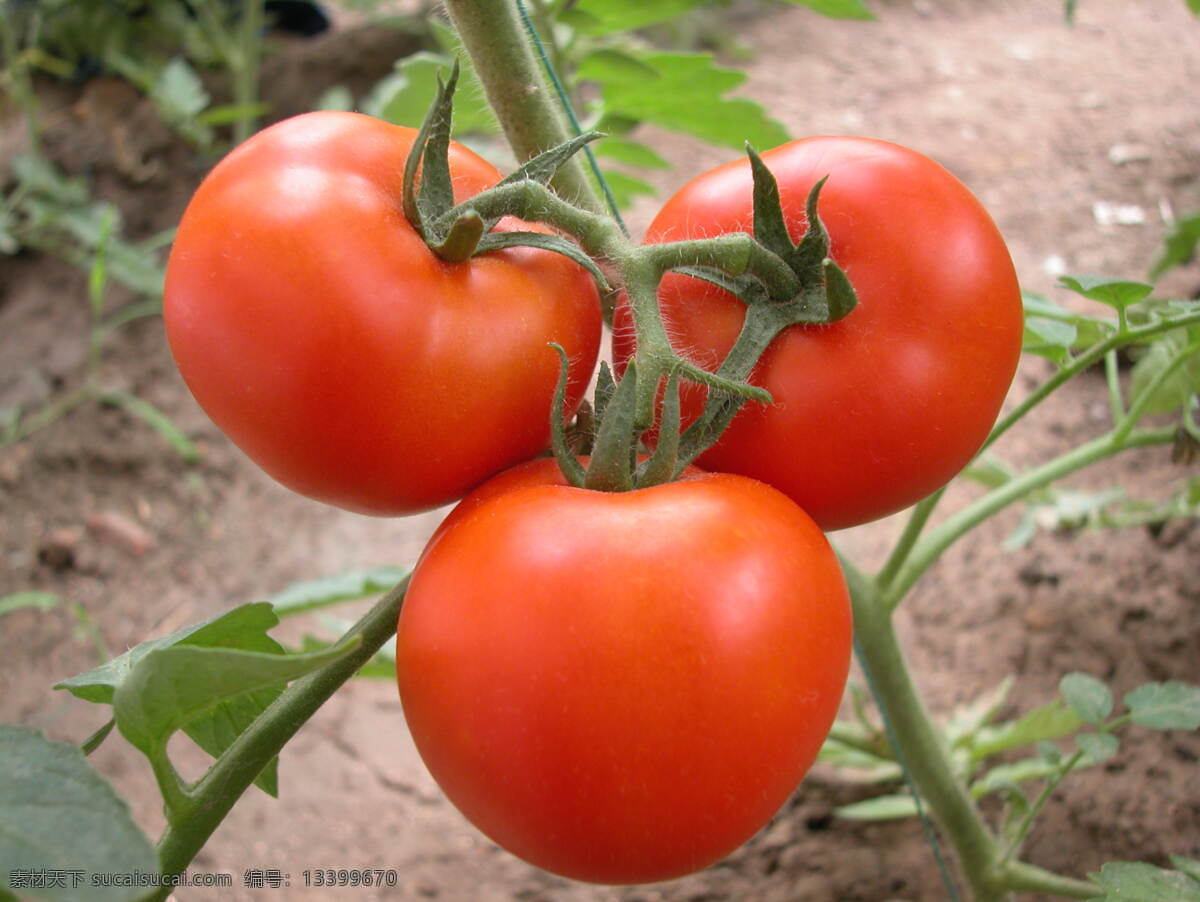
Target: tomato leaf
(58, 814)
(625, 188)
(1170, 369)
(1113, 292)
(1136, 881)
(604, 17)
(404, 96)
(682, 92)
(319, 593)
(42, 601)
(1097, 747)
(837, 9)
(1051, 721)
(1091, 699)
(1165, 706)
(1181, 242)
(880, 808)
(630, 153)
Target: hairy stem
(929, 549)
(529, 113)
(210, 800)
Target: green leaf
(1089, 330)
(989, 471)
(178, 90)
(1136, 881)
(1097, 747)
(1049, 338)
(1091, 699)
(156, 420)
(1113, 292)
(683, 92)
(1051, 721)
(57, 813)
(880, 808)
(1177, 387)
(625, 187)
(967, 719)
(837, 9)
(171, 687)
(337, 97)
(630, 153)
(604, 17)
(404, 97)
(244, 628)
(1181, 241)
(42, 601)
(229, 113)
(320, 593)
(1188, 866)
(1165, 706)
(1014, 773)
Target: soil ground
(1050, 125)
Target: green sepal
(840, 295)
(494, 241)
(611, 468)
(770, 227)
(572, 470)
(660, 466)
(747, 288)
(542, 168)
(808, 258)
(462, 239)
(435, 197)
(605, 386)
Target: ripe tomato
(623, 687)
(320, 333)
(876, 411)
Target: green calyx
(457, 233)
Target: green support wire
(569, 110)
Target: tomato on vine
(879, 409)
(323, 336)
(622, 687)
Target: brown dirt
(1026, 110)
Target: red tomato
(623, 687)
(876, 411)
(320, 333)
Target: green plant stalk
(930, 548)
(211, 798)
(928, 760)
(492, 33)
(244, 66)
(1138, 408)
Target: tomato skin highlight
(623, 688)
(878, 410)
(331, 345)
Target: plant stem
(1022, 877)
(921, 749)
(529, 113)
(244, 65)
(215, 794)
(931, 547)
(912, 531)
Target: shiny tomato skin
(323, 337)
(876, 411)
(623, 688)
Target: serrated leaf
(630, 153)
(404, 97)
(319, 593)
(1051, 721)
(880, 808)
(1165, 706)
(625, 188)
(171, 687)
(57, 813)
(1189, 866)
(42, 601)
(685, 93)
(1180, 243)
(604, 17)
(1097, 747)
(967, 719)
(1179, 385)
(989, 471)
(837, 9)
(1091, 699)
(178, 90)
(1113, 292)
(1136, 881)
(1014, 773)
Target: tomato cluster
(616, 686)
